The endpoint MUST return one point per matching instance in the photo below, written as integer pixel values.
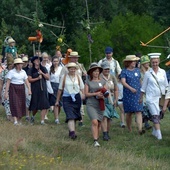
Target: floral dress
(5, 102)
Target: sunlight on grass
(34, 147)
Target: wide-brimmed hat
(18, 61)
(35, 58)
(74, 54)
(154, 55)
(11, 40)
(93, 67)
(25, 59)
(105, 65)
(131, 58)
(144, 59)
(72, 65)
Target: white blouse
(54, 77)
(150, 86)
(71, 85)
(17, 77)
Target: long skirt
(17, 100)
(72, 109)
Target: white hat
(154, 55)
(72, 65)
(25, 59)
(18, 61)
(11, 40)
(74, 54)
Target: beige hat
(18, 61)
(11, 40)
(25, 59)
(74, 54)
(72, 65)
(93, 67)
(131, 58)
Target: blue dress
(131, 100)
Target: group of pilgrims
(42, 82)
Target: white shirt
(114, 66)
(120, 89)
(150, 86)
(54, 77)
(17, 77)
(70, 86)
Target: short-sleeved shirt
(54, 77)
(11, 50)
(17, 77)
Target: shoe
(141, 132)
(16, 123)
(96, 144)
(57, 121)
(105, 136)
(159, 135)
(147, 126)
(81, 124)
(32, 120)
(122, 125)
(72, 135)
(43, 123)
(27, 119)
(46, 118)
(154, 133)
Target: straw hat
(131, 58)
(72, 65)
(144, 59)
(93, 67)
(18, 61)
(74, 54)
(11, 40)
(25, 59)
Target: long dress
(92, 105)
(39, 99)
(131, 100)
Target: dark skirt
(72, 109)
(17, 100)
(52, 97)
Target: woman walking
(111, 101)
(153, 86)
(37, 76)
(15, 85)
(130, 78)
(71, 85)
(54, 80)
(94, 94)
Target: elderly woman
(111, 101)
(130, 78)
(3, 80)
(15, 85)
(37, 76)
(71, 85)
(153, 86)
(94, 94)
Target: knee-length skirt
(71, 108)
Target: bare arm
(123, 80)
(32, 80)
(88, 94)
(45, 75)
(58, 97)
(28, 86)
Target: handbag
(162, 99)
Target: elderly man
(114, 64)
(73, 58)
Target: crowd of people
(41, 82)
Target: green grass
(48, 147)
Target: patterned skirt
(17, 100)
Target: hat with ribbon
(93, 67)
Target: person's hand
(133, 90)
(40, 72)
(56, 103)
(82, 96)
(40, 76)
(99, 95)
(141, 100)
(29, 92)
(115, 103)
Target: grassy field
(37, 147)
